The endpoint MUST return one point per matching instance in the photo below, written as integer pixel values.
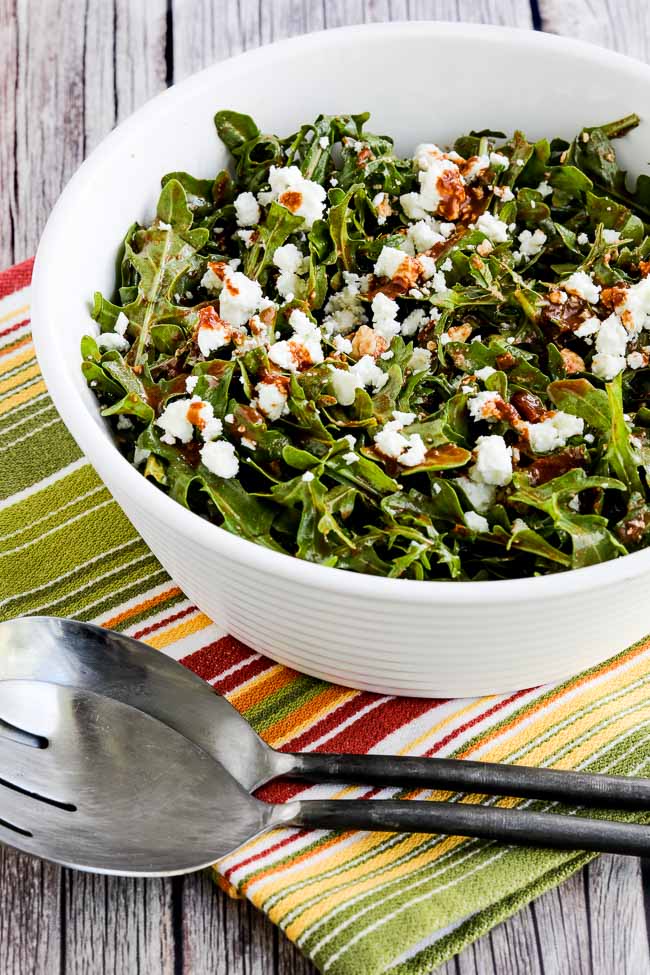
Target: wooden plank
(116, 925)
(29, 915)
(623, 25)
(8, 76)
(222, 936)
(68, 88)
(616, 912)
(205, 32)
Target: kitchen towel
(355, 903)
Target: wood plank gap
(169, 44)
(645, 882)
(178, 884)
(536, 15)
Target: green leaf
(620, 454)
(581, 398)
(235, 129)
(278, 224)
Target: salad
(432, 367)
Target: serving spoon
(92, 783)
(76, 654)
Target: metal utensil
(82, 655)
(98, 785)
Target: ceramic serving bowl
(422, 82)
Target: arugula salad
(429, 367)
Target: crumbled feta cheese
(518, 525)
(493, 228)
(481, 406)
(344, 310)
(588, 327)
(477, 166)
(109, 341)
(190, 383)
(611, 236)
(123, 422)
(240, 298)
(426, 153)
(291, 263)
(636, 360)
(581, 284)
(484, 373)
(289, 258)
(179, 418)
(220, 458)
(420, 360)
(363, 373)
(212, 335)
(612, 337)
(582, 239)
(247, 210)
(481, 496)
(607, 366)
(415, 454)
(350, 457)
(446, 265)
(246, 236)
(422, 236)
(323, 142)
(384, 312)
(341, 344)
(589, 437)
(504, 193)
(531, 244)
(635, 308)
(390, 441)
(553, 432)
(428, 266)
(388, 262)
(407, 450)
(121, 323)
(272, 398)
(475, 522)
(303, 349)
(493, 461)
(413, 322)
(498, 161)
(404, 419)
(544, 188)
(212, 281)
(308, 476)
(299, 195)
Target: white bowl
(421, 81)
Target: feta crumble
(493, 228)
(247, 210)
(299, 195)
(220, 458)
(476, 522)
(581, 284)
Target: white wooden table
(69, 71)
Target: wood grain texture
(69, 71)
(623, 26)
(116, 925)
(30, 915)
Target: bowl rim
(82, 425)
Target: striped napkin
(355, 903)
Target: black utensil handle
(514, 826)
(485, 778)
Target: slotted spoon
(93, 783)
